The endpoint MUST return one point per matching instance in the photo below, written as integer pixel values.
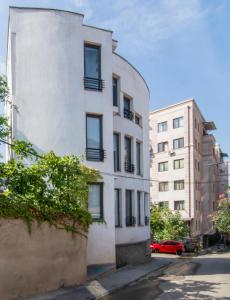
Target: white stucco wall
(46, 73)
(133, 85)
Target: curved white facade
(45, 69)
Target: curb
(112, 291)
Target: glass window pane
(127, 149)
(138, 154)
(94, 202)
(94, 132)
(116, 151)
(115, 91)
(92, 61)
(117, 208)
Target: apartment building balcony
(96, 84)
(94, 154)
(129, 167)
(128, 114)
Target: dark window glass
(178, 164)
(92, 61)
(139, 207)
(137, 119)
(128, 114)
(95, 201)
(115, 91)
(178, 143)
(116, 151)
(117, 208)
(163, 166)
(178, 122)
(162, 147)
(138, 154)
(179, 185)
(94, 143)
(179, 205)
(130, 219)
(128, 149)
(163, 126)
(163, 186)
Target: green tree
(166, 224)
(43, 187)
(222, 217)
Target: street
(206, 277)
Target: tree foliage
(44, 187)
(222, 217)
(166, 224)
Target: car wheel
(155, 250)
(179, 252)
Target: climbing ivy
(45, 188)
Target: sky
(181, 47)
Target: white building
(184, 170)
(76, 95)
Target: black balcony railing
(146, 220)
(93, 83)
(130, 168)
(128, 114)
(130, 221)
(95, 154)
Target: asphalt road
(204, 277)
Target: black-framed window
(138, 119)
(163, 126)
(146, 208)
(130, 219)
(140, 209)
(138, 157)
(179, 205)
(94, 140)
(178, 143)
(163, 186)
(178, 185)
(162, 147)
(178, 164)
(115, 91)
(117, 207)
(129, 167)
(178, 122)
(92, 67)
(116, 151)
(163, 166)
(128, 114)
(95, 200)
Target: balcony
(95, 84)
(94, 154)
(128, 114)
(130, 221)
(130, 168)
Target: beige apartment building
(185, 161)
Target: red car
(167, 247)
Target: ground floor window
(130, 218)
(140, 209)
(95, 200)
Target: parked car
(167, 247)
(191, 245)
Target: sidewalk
(112, 282)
